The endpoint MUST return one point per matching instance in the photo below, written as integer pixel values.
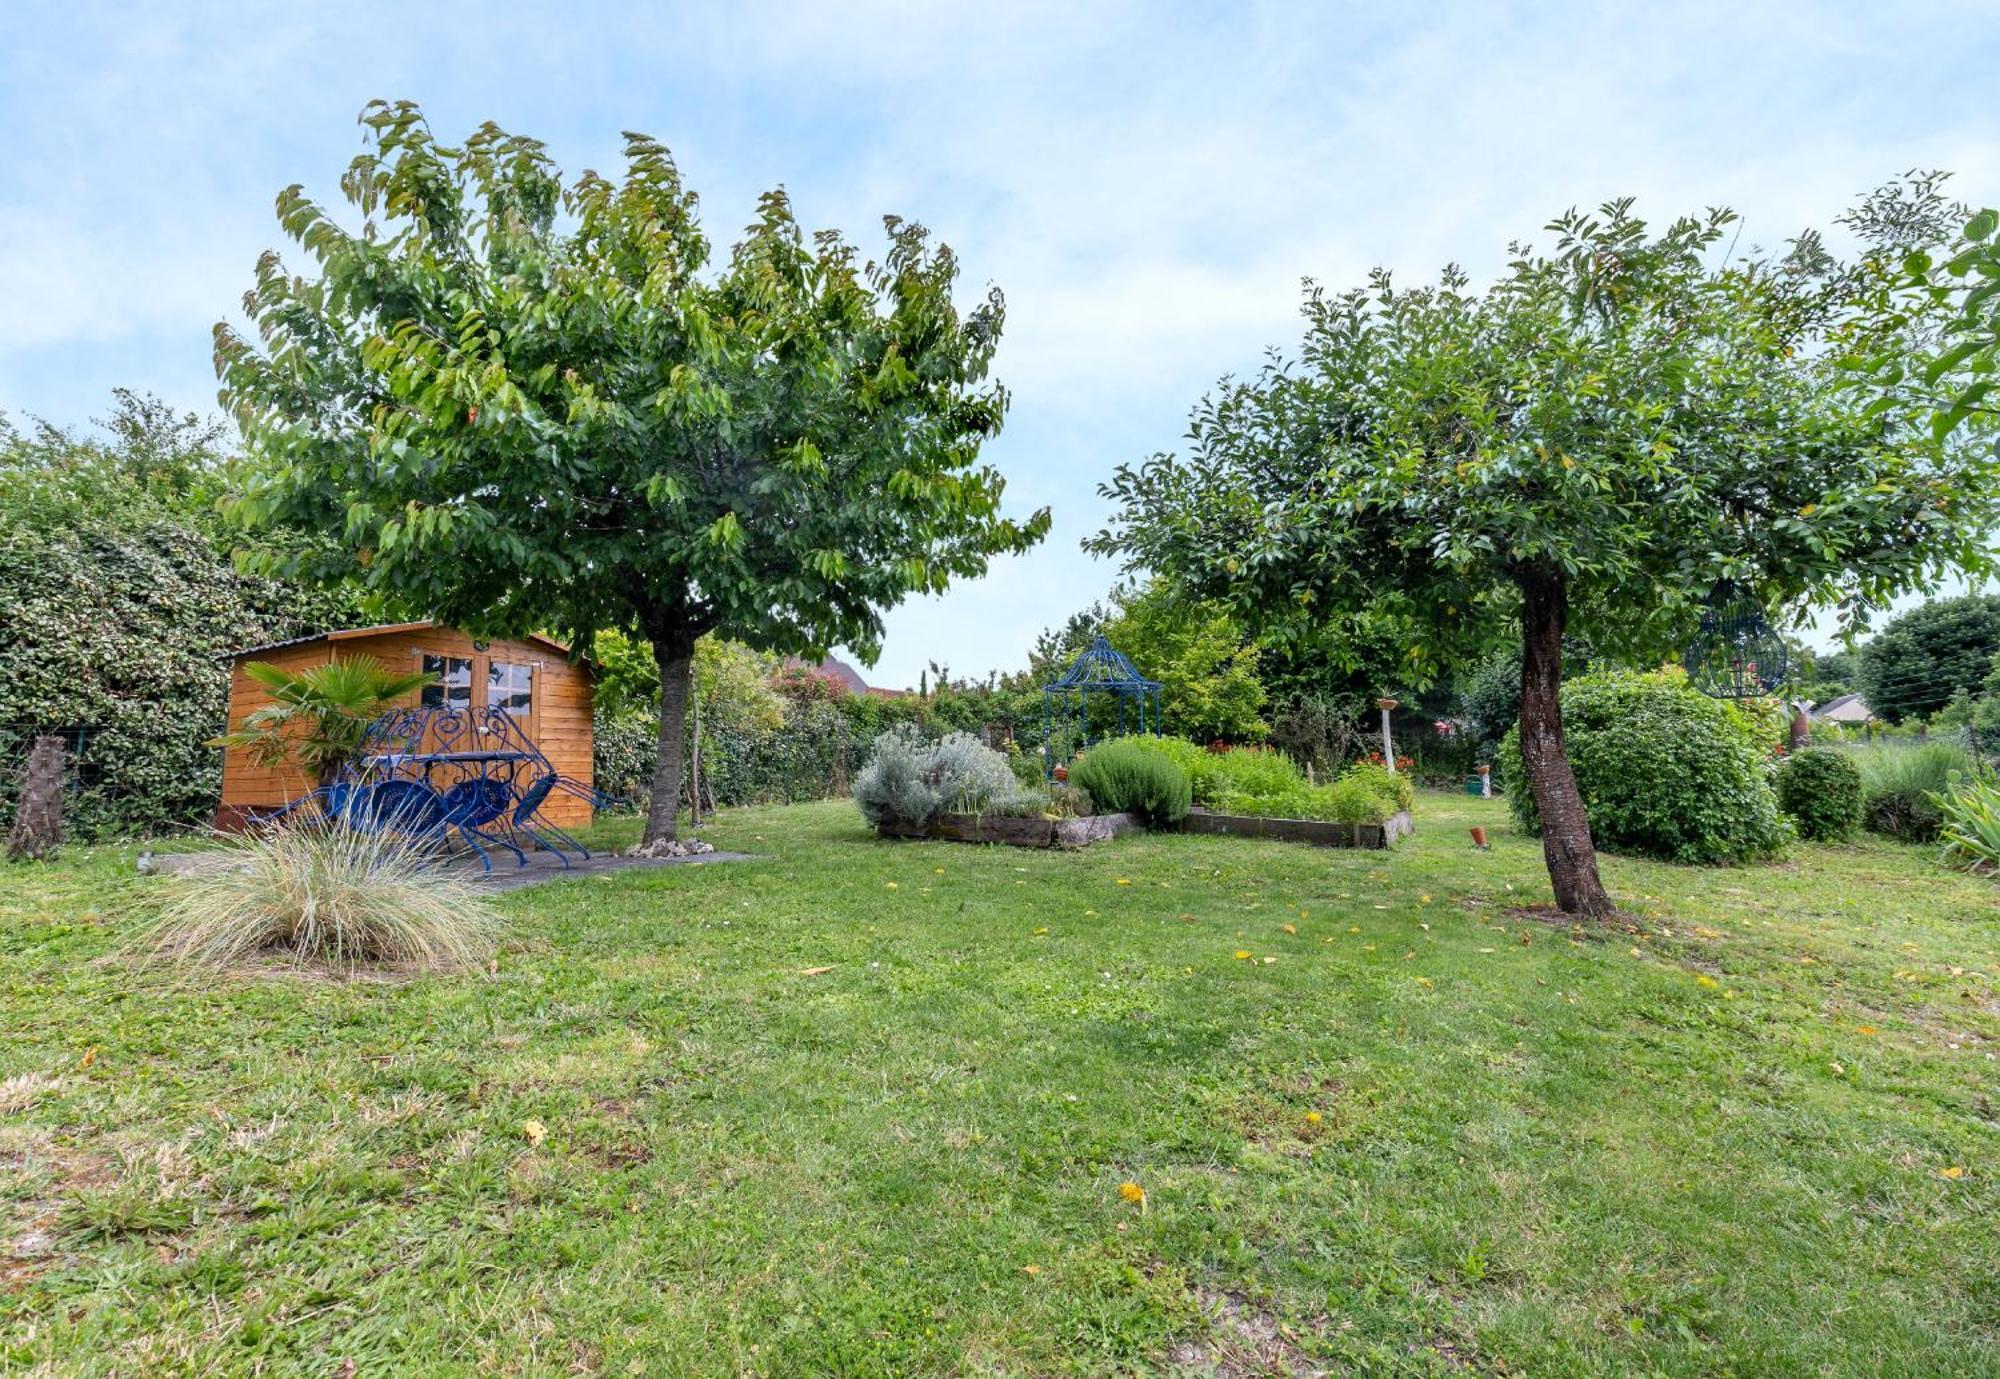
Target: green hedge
(1664, 770)
(121, 637)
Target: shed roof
(379, 629)
(1848, 708)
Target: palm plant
(319, 715)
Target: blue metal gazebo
(1099, 669)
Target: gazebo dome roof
(1101, 666)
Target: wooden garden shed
(532, 677)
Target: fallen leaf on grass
(533, 1131)
(1038, 933)
(1124, 880)
(1866, 1029)
(1289, 928)
(816, 971)
(892, 885)
(1955, 1172)
(1242, 953)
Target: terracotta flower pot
(1478, 836)
(1062, 773)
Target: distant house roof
(1848, 708)
(380, 629)
(844, 675)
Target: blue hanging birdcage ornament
(1736, 653)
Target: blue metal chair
(474, 803)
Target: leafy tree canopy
(527, 402)
(1206, 665)
(1923, 658)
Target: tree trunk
(38, 813)
(694, 767)
(674, 654)
(1566, 844)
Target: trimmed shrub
(1664, 771)
(1132, 775)
(1820, 788)
(1901, 783)
(325, 893)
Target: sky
(1147, 183)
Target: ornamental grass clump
(1901, 785)
(1820, 788)
(326, 894)
(1129, 775)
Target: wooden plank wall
(559, 722)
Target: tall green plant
(525, 401)
(319, 715)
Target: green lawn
(865, 1108)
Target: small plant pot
(1062, 774)
(1479, 837)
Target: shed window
(452, 687)
(509, 686)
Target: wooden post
(38, 814)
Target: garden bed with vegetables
(961, 790)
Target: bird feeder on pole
(1388, 744)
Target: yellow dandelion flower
(892, 885)
(1705, 980)
(1313, 1118)
(1955, 1172)
(1132, 1192)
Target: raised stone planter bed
(1317, 832)
(1020, 833)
